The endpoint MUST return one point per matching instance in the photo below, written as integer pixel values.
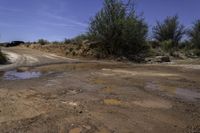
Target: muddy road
(45, 93)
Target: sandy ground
(73, 96)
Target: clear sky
(30, 20)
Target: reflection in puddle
(16, 75)
(185, 94)
(136, 73)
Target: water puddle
(186, 94)
(21, 75)
(111, 72)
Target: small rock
(87, 127)
(161, 59)
(80, 112)
(122, 58)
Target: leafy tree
(169, 30)
(194, 34)
(118, 29)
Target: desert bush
(3, 58)
(194, 34)
(192, 53)
(154, 44)
(67, 41)
(79, 39)
(197, 52)
(42, 41)
(186, 45)
(167, 46)
(170, 29)
(56, 42)
(117, 28)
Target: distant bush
(194, 34)
(42, 42)
(56, 42)
(117, 28)
(170, 29)
(3, 58)
(67, 41)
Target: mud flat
(100, 98)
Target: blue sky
(30, 20)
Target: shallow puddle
(21, 75)
(186, 94)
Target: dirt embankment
(70, 50)
(84, 50)
(89, 51)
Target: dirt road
(45, 93)
(27, 57)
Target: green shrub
(192, 53)
(3, 58)
(170, 29)
(194, 34)
(42, 42)
(167, 46)
(197, 52)
(67, 41)
(117, 28)
(56, 42)
(154, 44)
(185, 45)
(79, 39)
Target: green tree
(194, 34)
(169, 30)
(118, 29)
